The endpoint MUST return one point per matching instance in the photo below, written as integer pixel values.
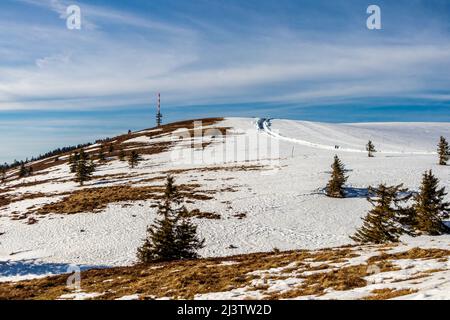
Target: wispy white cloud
(99, 67)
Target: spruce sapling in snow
(91, 166)
(171, 237)
(133, 159)
(122, 155)
(101, 155)
(370, 149)
(430, 207)
(111, 148)
(443, 151)
(3, 175)
(23, 171)
(335, 187)
(73, 162)
(382, 223)
(84, 170)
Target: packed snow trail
(265, 125)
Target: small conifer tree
(122, 155)
(91, 166)
(443, 151)
(23, 172)
(430, 206)
(73, 162)
(171, 237)
(111, 148)
(84, 170)
(3, 175)
(335, 187)
(101, 155)
(370, 149)
(382, 223)
(133, 159)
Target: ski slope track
(265, 125)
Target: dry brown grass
(185, 279)
(182, 279)
(340, 279)
(30, 183)
(202, 215)
(233, 168)
(334, 255)
(415, 253)
(4, 200)
(119, 142)
(96, 199)
(388, 293)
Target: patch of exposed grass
(96, 199)
(341, 279)
(185, 279)
(120, 142)
(182, 279)
(415, 253)
(235, 168)
(4, 200)
(202, 215)
(388, 293)
(334, 255)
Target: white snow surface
(283, 202)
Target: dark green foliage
(73, 162)
(335, 187)
(23, 171)
(430, 207)
(56, 152)
(171, 237)
(370, 149)
(101, 155)
(133, 159)
(83, 169)
(111, 148)
(383, 223)
(122, 155)
(443, 151)
(3, 175)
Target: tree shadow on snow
(36, 268)
(351, 192)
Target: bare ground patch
(415, 253)
(185, 279)
(388, 293)
(182, 279)
(96, 199)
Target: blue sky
(307, 59)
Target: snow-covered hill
(264, 179)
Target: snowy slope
(282, 202)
